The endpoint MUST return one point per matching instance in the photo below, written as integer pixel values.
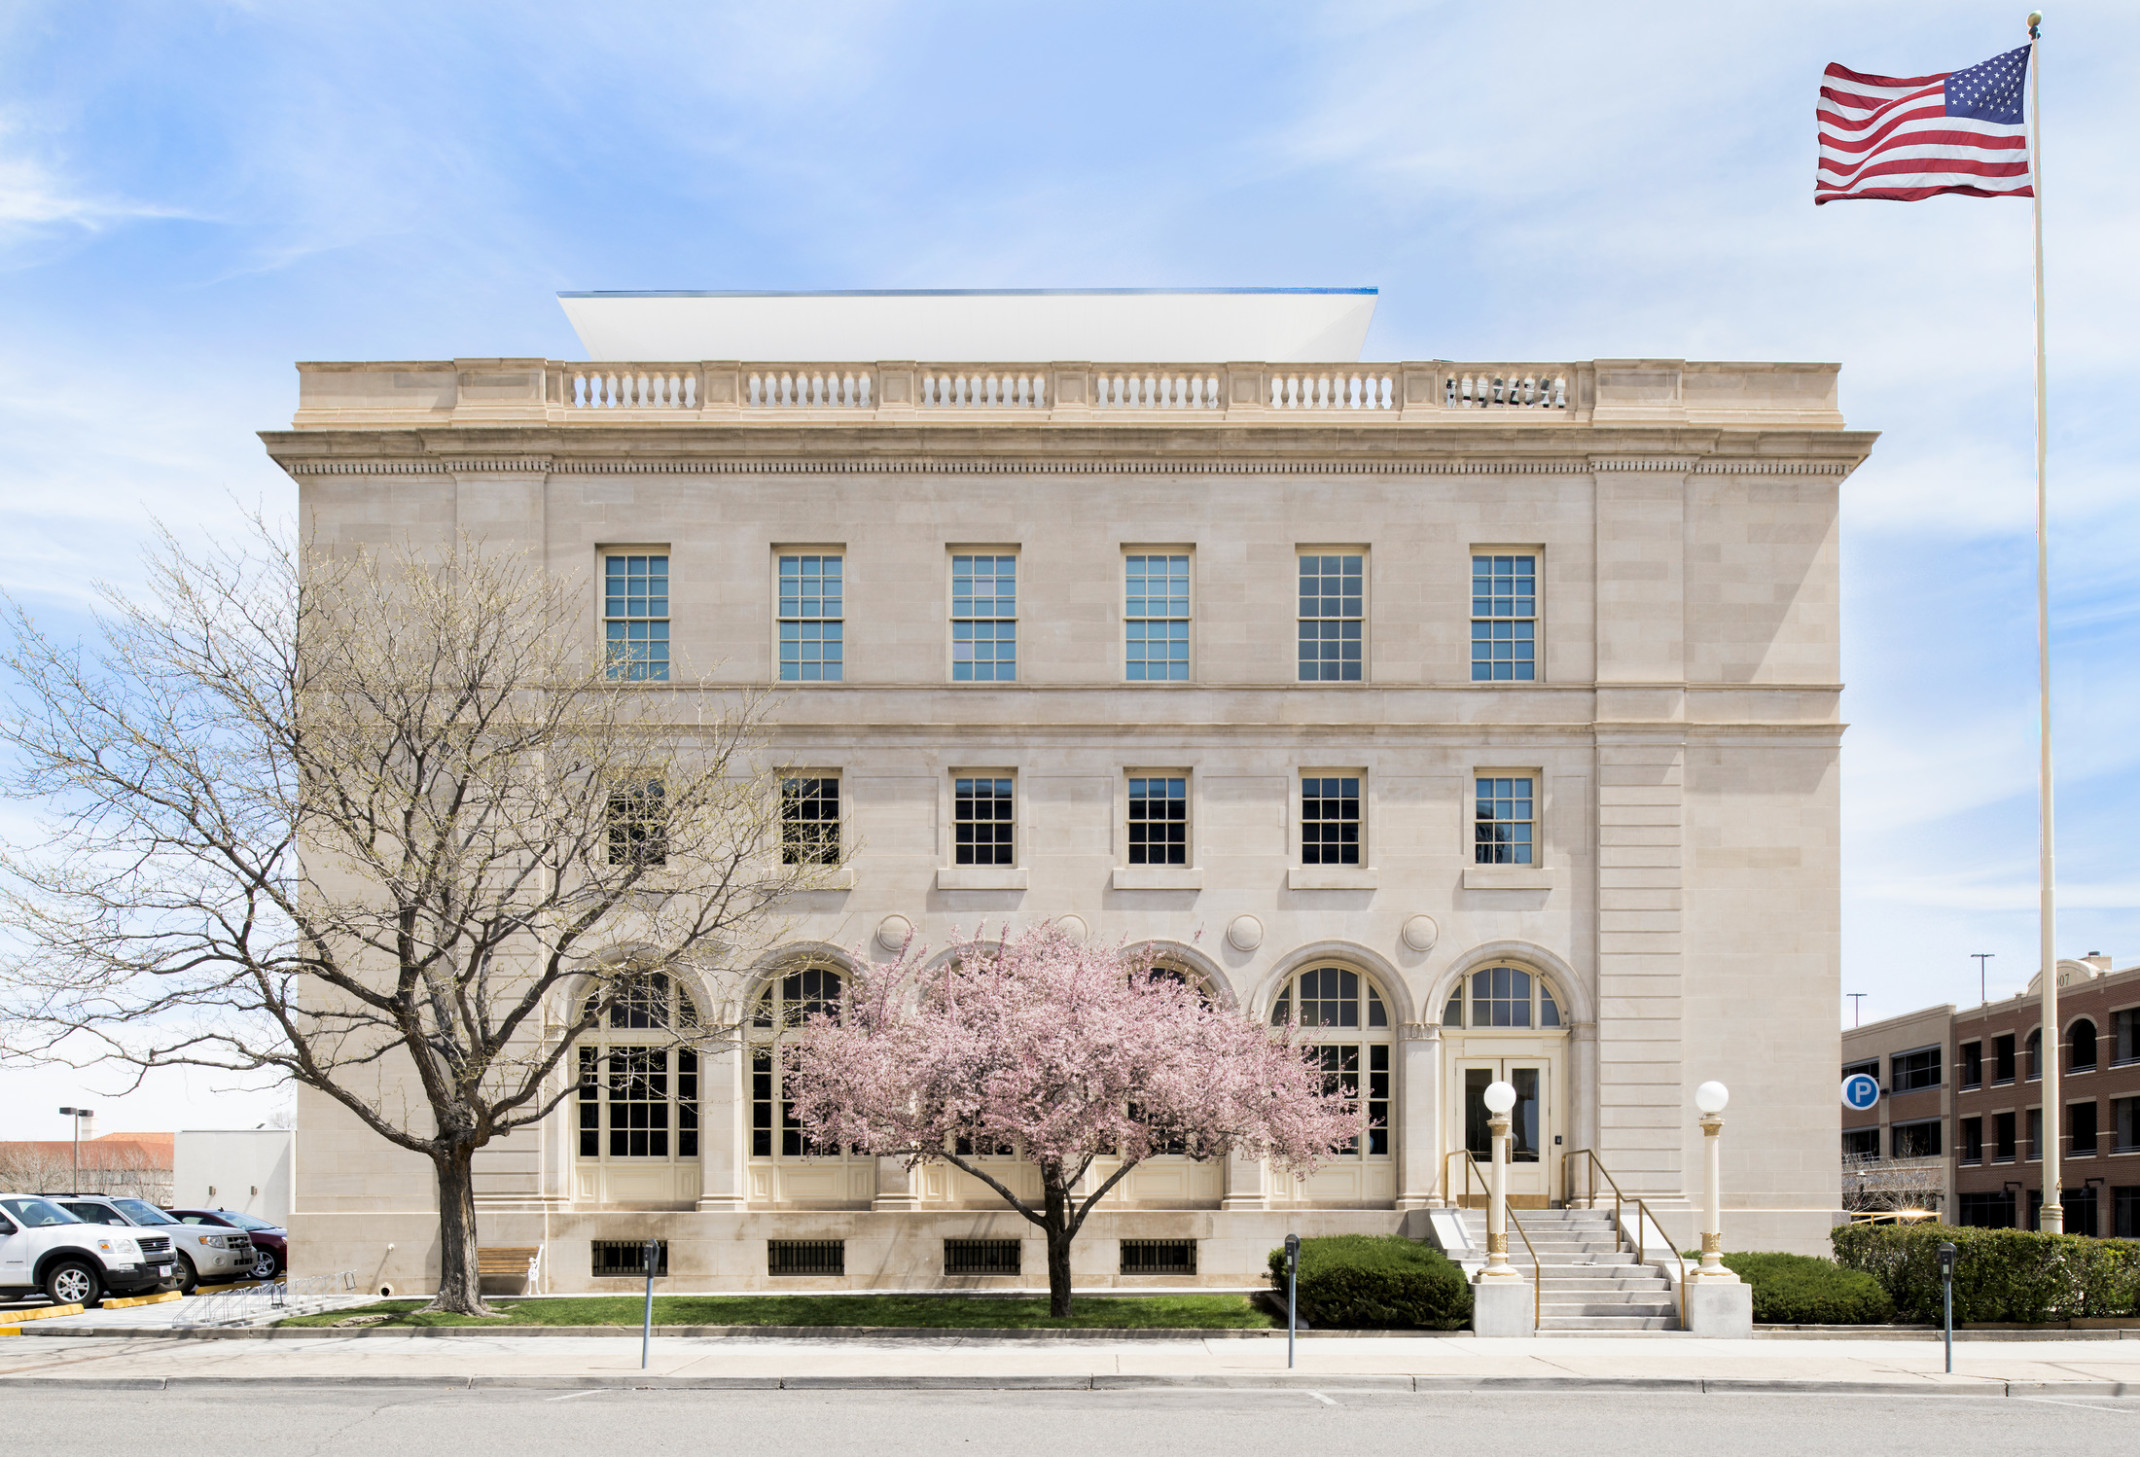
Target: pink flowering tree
(1079, 1057)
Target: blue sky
(194, 196)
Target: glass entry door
(1531, 1156)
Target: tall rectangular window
(1504, 619)
(2002, 1138)
(1330, 819)
(1972, 1149)
(1159, 819)
(2002, 1058)
(1333, 616)
(1155, 619)
(639, 824)
(812, 619)
(635, 617)
(1504, 823)
(2125, 1036)
(982, 822)
(810, 819)
(984, 619)
(2125, 1124)
(2080, 1129)
(1972, 1064)
(638, 1086)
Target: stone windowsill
(1158, 877)
(1333, 877)
(981, 877)
(840, 877)
(1507, 877)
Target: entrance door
(1531, 1159)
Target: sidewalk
(1425, 1364)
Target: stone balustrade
(549, 392)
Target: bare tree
(366, 819)
(115, 1167)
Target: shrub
(1803, 1290)
(1360, 1280)
(1999, 1274)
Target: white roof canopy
(1116, 326)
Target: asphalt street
(413, 1422)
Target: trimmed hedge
(1804, 1290)
(2012, 1275)
(1356, 1281)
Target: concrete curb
(1293, 1381)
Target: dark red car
(271, 1243)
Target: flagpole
(2053, 1220)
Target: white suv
(43, 1247)
(213, 1255)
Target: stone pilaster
(1419, 1126)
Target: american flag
(1908, 138)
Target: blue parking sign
(1860, 1091)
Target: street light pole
(1710, 1099)
(78, 1114)
(1499, 1098)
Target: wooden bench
(509, 1262)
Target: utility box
(246, 1169)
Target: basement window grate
(617, 1257)
(982, 1256)
(806, 1257)
(1159, 1257)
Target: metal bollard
(1946, 1277)
(646, 1331)
(1292, 1288)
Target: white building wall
(1683, 733)
(250, 1170)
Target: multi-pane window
(639, 824)
(1330, 819)
(1351, 1046)
(1503, 996)
(638, 1093)
(1913, 1070)
(1915, 1140)
(983, 826)
(635, 617)
(1861, 1143)
(984, 619)
(1986, 1210)
(787, 1003)
(1333, 616)
(1505, 822)
(1504, 619)
(1972, 1064)
(1870, 1068)
(810, 819)
(1155, 617)
(812, 619)
(1972, 1141)
(1159, 819)
(1523, 1115)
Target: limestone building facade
(1492, 709)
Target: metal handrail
(1538, 1269)
(1643, 1218)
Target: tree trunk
(1057, 1226)
(460, 1282)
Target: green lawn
(954, 1312)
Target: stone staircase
(1592, 1284)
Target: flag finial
(2035, 23)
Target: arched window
(2035, 1055)
(1502, 997)
(788, 1002)
(638, 1087)
(2082, 1040)
(1347, 1023)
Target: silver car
(210, 1255)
